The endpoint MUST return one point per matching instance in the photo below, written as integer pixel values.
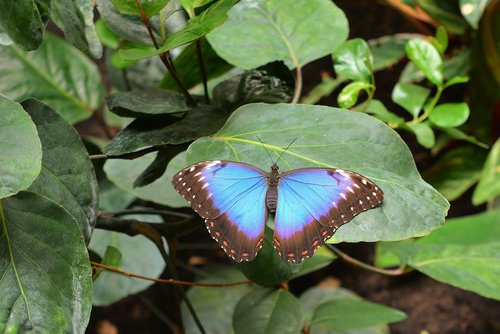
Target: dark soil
(431, 306)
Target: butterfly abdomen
(272, 189)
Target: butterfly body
(309, 204)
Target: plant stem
(203, 70)
(428, 108)
(149, 212)
(298, 84)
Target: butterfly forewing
(230, 196)
(313, 203)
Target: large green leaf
(22, 22)
(427, 59)
(20, 147)
(330, 137)
(58, 75)
(268, 311)
(353, 60)
(294, 31)
(489, 183)
(445, 12)
(45, 276)
(464, 253)
(411, 97)
(67, 177)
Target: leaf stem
(428, 108)
(298, 84)
(203, 70)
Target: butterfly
(309, 205)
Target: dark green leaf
(158, 166)
(445, 12)
(46, 280)
(348, 96)
(148, 7)
(22, 22)
(58, 75)
(268, 311)
(20, 147)
(322, 258)
(67, 177)
(411, 97)
(387, 51)
(456, 171)
(449, 115)
(457, 65)
(423, 132)
(472, 10)
(296, 32)
(489, 183)
(427, 59)
(457, 134)
(330, 137)
(348, 314)
(268, 268)
(145, 103)
(353, 60)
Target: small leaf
(472, 10)
(388, 50)
(427, 59)
(457, 134)
(295, 32)
(112, 258)
(149, 7)
(456, 81)
(423, 132)
(411, 97)
(19, 167)
(353, 60)
(348, 96)
(378, 110)
(449, 115)
(440, 42)
(22, 22)
(489, 183)
(268, 311)
(325, 88)
(106, 36)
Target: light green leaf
(449, 115)
(472, 10)
(348, 96)
(296, 32)
(326, 87)
(20, 147)
(489, 183)
(353, 60)
(411, 97)
(23, 23)
(269, 311)
(112, 258)
(106, 36)
(423, 132)
(330, 137)
(456, 81)
(58, 75)
(378, 110)
(427, 59)
(45, 275)
(149, 7)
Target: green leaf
(214, 307)
(296, 32)
(58, 75)
(149, 7)
(449, 115)
(353, 60)
(139, 255)
(20, 147)
(330, 137)
(457, 134)
(190, 5)
(22, 22)
(158, 166)
(456, 81)
(446, 13)
(45, 273)
(112, 258)
(106, 36)
(145, 103)
(472, 10)
(325, 88)
(378, 110)
(442, 38)
(348, 314)
(489, 183)
(411, 97)
(268, 311)
(427, 59)
(268, 268)
(387, 51)
(322, 258)
(67, 176)
(348, 96)
(456, 171)
(76, 19)
(423, 132)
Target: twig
(203, 70)
(298, 84)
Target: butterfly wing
(231, 197)
(313, 203)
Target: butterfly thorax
(272, 190)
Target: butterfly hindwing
(313, 203)
(230, 196)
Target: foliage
(198, 80)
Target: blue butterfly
(309, 204)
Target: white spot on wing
(350, 189)
(205, 185)
(361, 202)
(180, 179)
(374, 193)
(213, 163)
(364, 182)
(191, 169)
(356, 185)
(183, 184)
(197, 174)
(201, 178)
(343, 196)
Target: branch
(298, 84)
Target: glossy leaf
(411, 97)
(148, 7)
(67, 176)
(423, 132)
(489, 183)
(20, 147)
(456, 171)
(353, 60)
(331, 137)
(449, 115)
(427, 59)
(139, 255)
(146, 103)
(446, 13)
(296, 32)
(457, 80)
(269, 311)
(45, 275)
(58, 75)
(215, 307)
(349, 95)
(472, 10)
(22, 22)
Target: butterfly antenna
(264, 146)
(293, 141)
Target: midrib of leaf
(12, 262)
(46, 77)
(447, 259)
